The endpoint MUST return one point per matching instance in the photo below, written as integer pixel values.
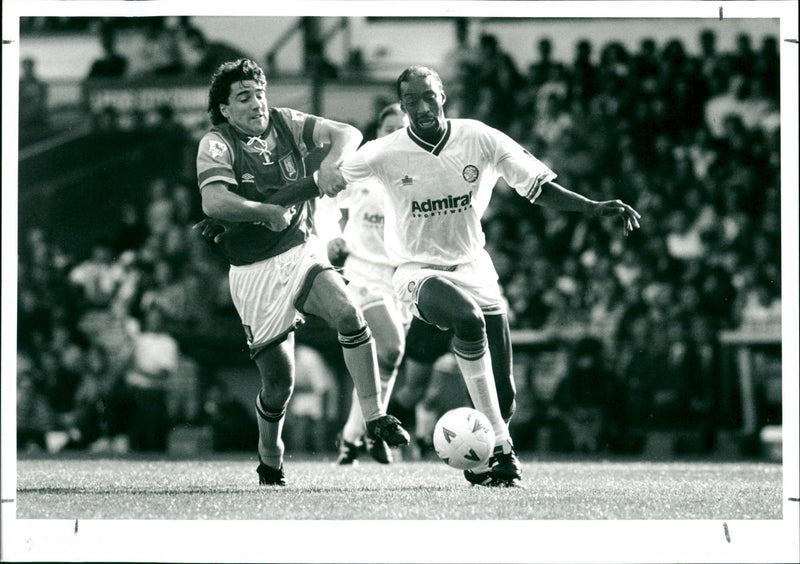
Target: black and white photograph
(402, 281)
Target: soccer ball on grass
(463, 438)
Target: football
(463, 438)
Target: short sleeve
(214, 161)
(356, 169)
(522, 171)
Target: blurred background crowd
(131, 337)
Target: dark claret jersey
(248, 168)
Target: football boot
(388, 428)
(505, 466)
(269, 476)
(378, 449)
(348, 452)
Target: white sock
(270, 429)
(362, 363)
(355, 426)
(476, 367)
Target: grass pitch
(223, 488)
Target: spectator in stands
(34, 414)
(201, 57)
(131, 232)
(700, 374)
(553, 121)
(760, 304)
(588, 411)
(708, 57)
(111, 64)
(155, 363)
(86, 422)
(583, 77)
(743, 59)
(540, 70)
(34, 118)
(461, 54)
(498, 74)
(767, 66)
(645, 64)
(727, 94)
(98, 277)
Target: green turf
(227, 489)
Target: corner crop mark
(727, 532)
(720, 12)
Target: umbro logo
(247, 177)
(407, 180)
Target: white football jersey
(437, 194)
(364, 228)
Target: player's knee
(348, 318)
(390, 355)
(275, 396)
(468, 324)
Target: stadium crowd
(116, 347)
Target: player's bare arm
(557, 197)
(344, 139)
(303, 190)
(222, 204)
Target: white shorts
(267, 293)
(370, 284)
(477, 278)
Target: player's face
(422, 98)
(246, 109)
(392, 122)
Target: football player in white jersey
(439, 174)
(369, 271)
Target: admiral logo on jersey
(373, 218)
(450, 204)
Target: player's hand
(276, 218)
(211, 229)
(330, 180)
(630, 217)
(337, 250)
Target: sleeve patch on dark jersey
(217, 148)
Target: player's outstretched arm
(344, 139)
(557, 197)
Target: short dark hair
(224, 76)
(417, 71)
(390, 110)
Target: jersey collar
(433, 149)
(245, 137)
